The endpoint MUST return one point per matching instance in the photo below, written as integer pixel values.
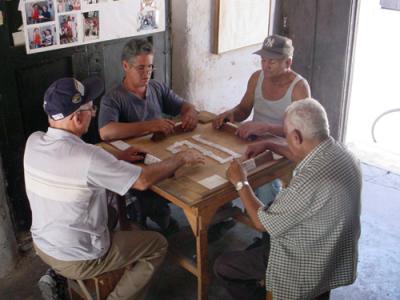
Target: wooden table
(199, 203)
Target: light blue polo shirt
(66, 181)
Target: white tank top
(271, 111)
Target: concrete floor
(379, 255)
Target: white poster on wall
(55, 24)
(240, 23)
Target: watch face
(240, 184)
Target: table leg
(202, 264)
(199, 222)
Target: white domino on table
(120, 145)
(151, 159)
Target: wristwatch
(240, 184)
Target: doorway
(374, 111)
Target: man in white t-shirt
(67, 183)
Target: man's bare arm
(276, 145)
(241, 111)
(301, 90)
(152, 174)
(120, 130)
(189, 116)
(235, 173)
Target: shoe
(217, 231)
(48, 287)
(173, 227)
(52, 286)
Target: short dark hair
(136, 47)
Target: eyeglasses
(144, 69)
(92, 109)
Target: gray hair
(309, 117)
(136, 47)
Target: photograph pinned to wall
(68, 5)
(91, 28)
(42, 36)
(39, 12)
(148, 17)
(68, 29)
(89, 2)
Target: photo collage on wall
(53, 24)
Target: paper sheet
(212, 181)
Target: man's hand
(191, 157)
(255, 149)
(250, 128)
(132, 154)
(164, 126)
(189, 120)
(223, 118)
(235, 172)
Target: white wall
(211, 82)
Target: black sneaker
(52, 286)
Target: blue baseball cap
(67, 95)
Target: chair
(96, 288)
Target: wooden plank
(184, 262)
(215, 45)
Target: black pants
(241, 271)
(149, 204)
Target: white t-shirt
(66, 182)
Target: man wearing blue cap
(66, 183)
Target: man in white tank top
(269, 92)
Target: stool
(96, 288)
